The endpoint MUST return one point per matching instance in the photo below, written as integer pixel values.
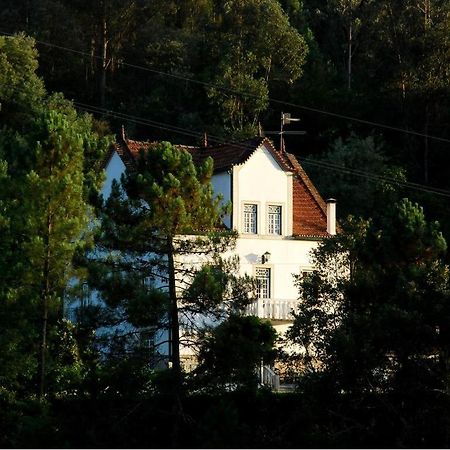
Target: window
(148, 283)
(305, 273)
(250, 218)
(274, 219)
(147, 339)
(263, 282)
(85, 296)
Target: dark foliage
(232, 420)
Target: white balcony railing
(272, 308)
(269, 378)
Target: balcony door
(263, 279)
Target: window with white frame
(147, 340)
(263, 282)
(305, 274)
(85, 296)
(274, 219)
(250, 218)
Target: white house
(277, 211)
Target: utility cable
(219, 140)
(247, 94)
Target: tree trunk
(27, 16)
(173, 315)
(177, 408)
(103, 66)
(426, 145)
(427, 14)
(45, 291)
(349, 64)
(43, 350)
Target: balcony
(271, 308)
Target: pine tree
(374, 316)
(163, 225)
(45, 148)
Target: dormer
(272, 196)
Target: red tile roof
(309, 209)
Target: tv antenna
(286, 119)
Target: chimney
(205, 139)
(331, 216)
(123, 134)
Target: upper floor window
(250, 218)
(263, 282)
(274, 219)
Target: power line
(197, 134)
(247, 94)
(373, 177)
(322, 164)
(137, 119)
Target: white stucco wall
(114, 169)
(288, 257)
(221, 183)
(261, 181)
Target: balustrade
(272, 308)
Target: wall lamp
(265, 258)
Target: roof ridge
(122, 149)
(279, 155)
(247, 142)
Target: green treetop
(163, 225)
(44, 194)
(375, 314)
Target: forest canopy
(369, 81)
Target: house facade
(277, 211)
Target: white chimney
(331, 216)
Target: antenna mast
(286, 119)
